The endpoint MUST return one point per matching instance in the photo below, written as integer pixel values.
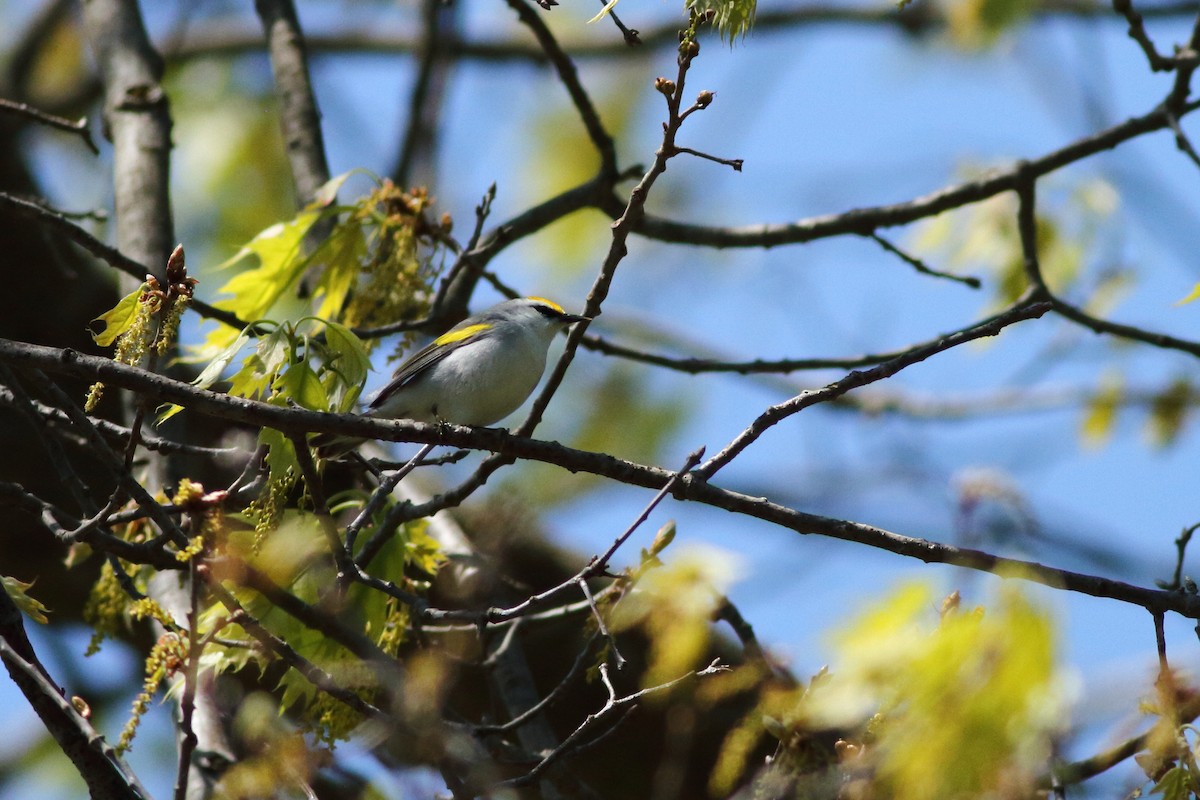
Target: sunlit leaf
(166, 411)
(30, 607)
(341, 257)
(216, 367)
(112, 323)
(976, 689)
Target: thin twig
(376, 501)
(1024, 309)
(614, 706)
(79, 126)
(110, 255)
(921, 266)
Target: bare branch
(299, 117)
(106, 775)
(1024, 309)
(79, 126)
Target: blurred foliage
(1172, 744)
(231, 171)
(279, 759)
(1169, 411)
(673, 605)
(984, 237)
(1100, 412)
(909, 695)
(570, 244)
(977, 24)
(59, 67)
(733, 19)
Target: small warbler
(476, 373)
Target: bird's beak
(571, 319)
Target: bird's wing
(429, 355)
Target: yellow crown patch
(546, 302)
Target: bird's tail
(332, 445)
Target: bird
(476, 373)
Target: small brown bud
(704, 99)
(176, 271)
(693, 47)
(710, 14)
(665, 86)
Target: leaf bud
(704, 99)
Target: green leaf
(275, 350)
(112, 323)
(29, 606)
(212, 373)
(281, 456)
(281, 264)
(733, 19)
(1175, 784)
(341, 255)
(350, 359)
(301, 384)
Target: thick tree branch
(106, 775)
(157, 387)
(222, 39)
(865, 221)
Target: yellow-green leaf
(1175, 784)
(29, 606)
(1101, 411)
(341, 255)
(112, 323)
(166, 411)
(973, 689)
(301, 384)
(212, 373)
(350, 358)
(1192, 295)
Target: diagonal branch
(1024, 309)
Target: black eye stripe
(547, 311)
